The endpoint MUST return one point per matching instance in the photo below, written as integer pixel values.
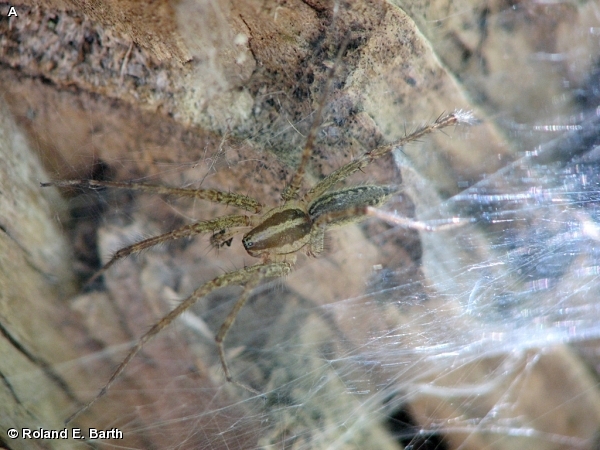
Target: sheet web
(485, 346)
(479, 336)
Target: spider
(273, 235)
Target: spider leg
(249, 276)
(193, 229)
(226, 198)
(291, 191)
(415, 224)
(264, 271)
(367, 158)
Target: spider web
(480, 336)
(473, 350)
(350, 342)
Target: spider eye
(248, 243)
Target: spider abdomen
(346, 200)
(284, 231)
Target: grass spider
(273, 235)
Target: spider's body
(283, 230)
(274, 236)
(296, 225)
(339, 202)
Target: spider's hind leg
(317, 241)
(291, 190)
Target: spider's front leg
(256, 273)
(206, 226)
(211, 195)
(227, 226)
(248, 276)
